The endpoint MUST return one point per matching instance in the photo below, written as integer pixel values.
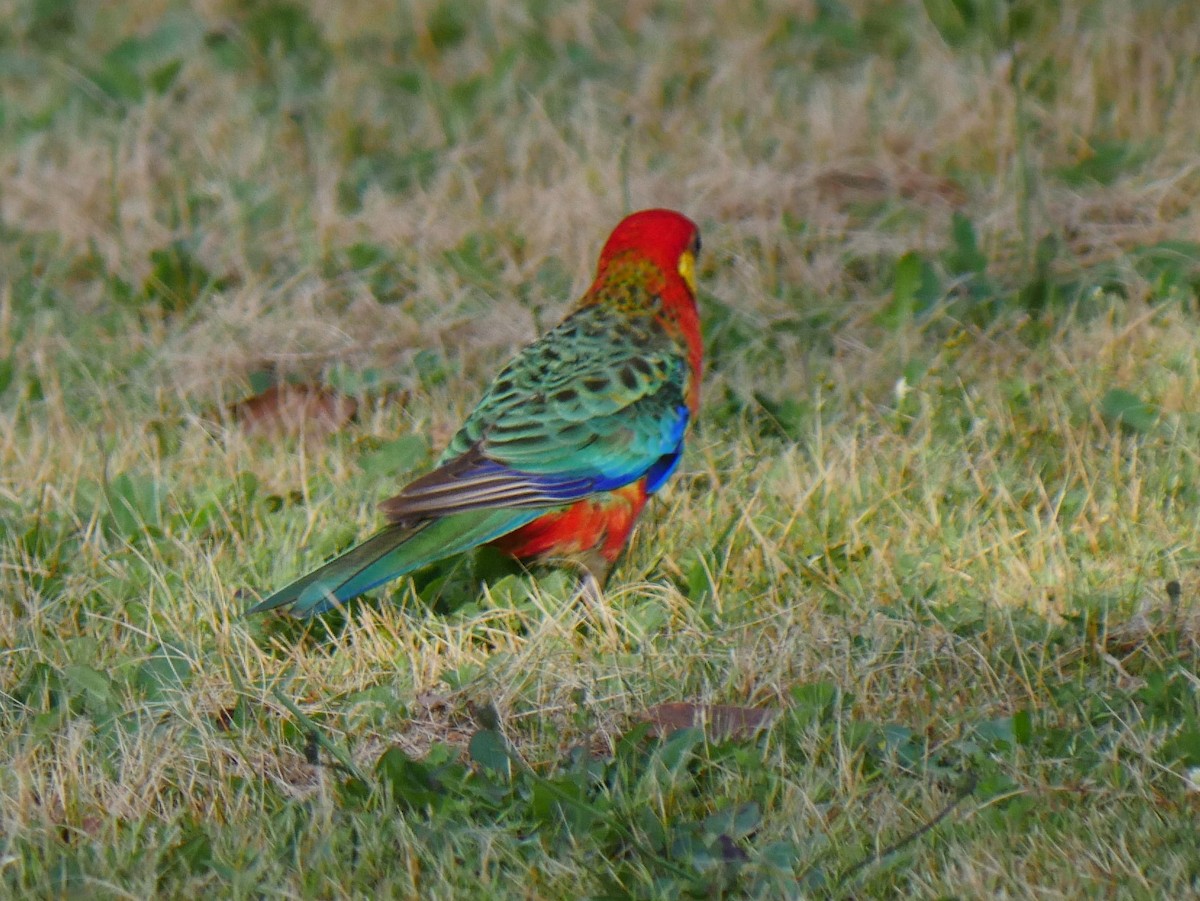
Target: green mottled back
(539, 405)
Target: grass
(939, 511)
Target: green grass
(939, 511)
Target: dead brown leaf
(717, 720)
(294, 409)
(872, 184)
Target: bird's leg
(593, 572)
(588, 588)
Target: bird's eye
(696, 245)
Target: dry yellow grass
(944, 529)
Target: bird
(560, 455)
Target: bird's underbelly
(599, 524)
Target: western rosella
(560, 455)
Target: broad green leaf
(1128, 411)
(94, 687)
(489, 749)
(396, 458)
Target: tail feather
(389, 554)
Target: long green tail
(389, 554)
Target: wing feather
(555, 427)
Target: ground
(937, 519)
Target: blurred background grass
(945, 469)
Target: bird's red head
(658, 248)
(664, 237)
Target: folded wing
(597, 403)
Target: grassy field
(939, 514)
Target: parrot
(569, 441)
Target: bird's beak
(687, 268)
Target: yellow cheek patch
(687, 268)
